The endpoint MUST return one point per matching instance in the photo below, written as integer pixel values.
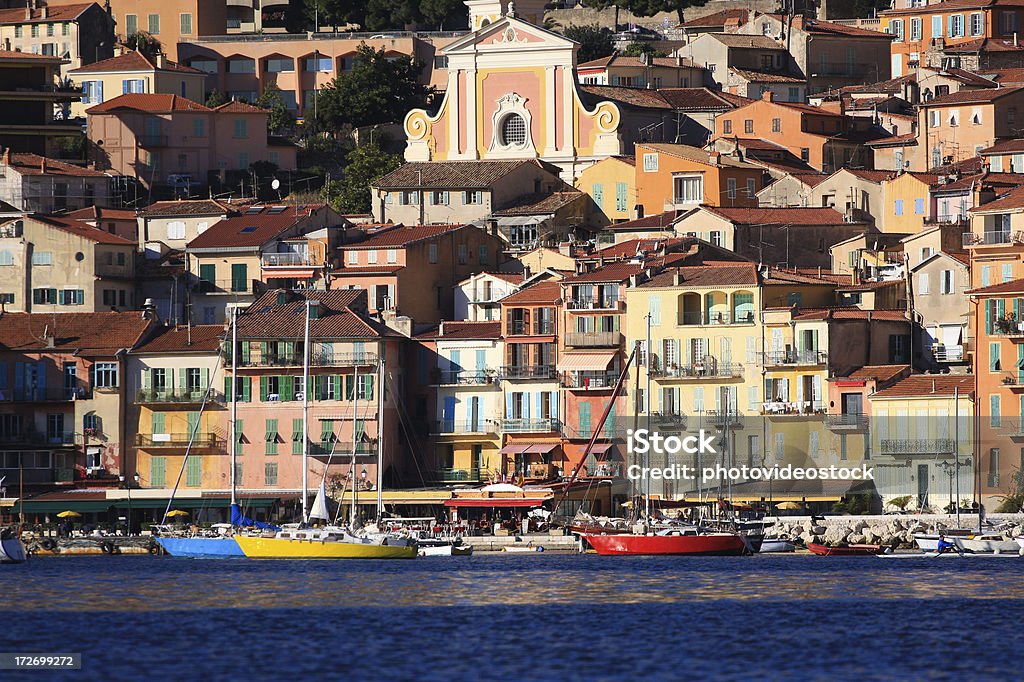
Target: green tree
(638, 48)
(378, 89)
(335, 13)
(648, 8)
(215, 99)
(143, 42)
(363, 165)
(595, 42)
(443, 14)
(280, 120)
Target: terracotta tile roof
(975, 164)
(133, 61)
(536, 294)
(743, 40)
(981, 45)
(878, 372)
(633, 247)
(468, 330)
(536, 204)
(643, 98)
(613, 272)
(718, 274)
(893, 86)
(999, 181)
(1005, 147)
(87, 334)
(905, 139)
(658, 220)
(57, 13)
(202, 338)
(765, 77)
(802, 215)
(98, 213)
(251, 230)
(964, 258)
(635, 62)
(701, 99)
(925, 385)
(1013, 76)
(236, 107)
(969, 97)
(510, 277)
(339, 316)
(403, 236)
(869, 286)
(148, 103)
(82, 229)
(186, 207)
(830, 28)
(13, 55)
(448, 174)
(32, 164)
(1014, 286)
(722, 18)
(852, 314)
(695, 154)
(968, 77)
(1011, 201)
(875, 176)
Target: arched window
(513, 131)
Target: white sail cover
(319, 509)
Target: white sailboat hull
(446, 549)
(774, 545)
(12, 551)
(987, 545)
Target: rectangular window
(42, 258)
(199, 127)
(297, 436)
(946, 282)
(1007, 272)
(154, 24)
(918, 206)
(898, 208)
(776, 125)
(271, 437)
(650, 163)
(131, 24)
(689, 189)
(241, 128)
(621, 198)
(432, 253)
(727, 127)
(751, 188)
(157, 472)
(194, 472)
(270, 473)
(105, 375)
(748, 126)
(922, 284)
(977, 23)
(994, 417)
(936, 27)
(805, 154)
(993, 357)
(239, 277)
(598, 194)
(915, 29)
(186, 24)
(731, 188)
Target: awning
(528, 503)
(586, 362)
(87, 506)
(541, 448)
(515, 448)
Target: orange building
(824, 139)
(677, 176)
(958, 126)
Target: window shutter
(246, 389)
(147, 378)
(263, 389)
(204, 378)
(227, 388)
(286, 387)
(554, 404)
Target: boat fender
(540, 549)
(106, 547)
(49, 544)
(154, 549)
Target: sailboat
(299, 541)
(223, 545)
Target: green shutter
(264, 351)
(336, 380)
(271, 437)
(182, 381)
(246, 389)
(239, 436)
(159, 422)
(285, 387)
(326, 430)
(263, 389)
(297, 436)
(194, 472)
(158, 472)
(239, 277)
(147, 378)
(246, 353)
(204, 378)
(988, 317)
(227, 387)
(193, 421)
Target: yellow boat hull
(279, 548)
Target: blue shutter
(449, 413)
(554, 404)
(41, 377)
(508, 405)
(537, 403)
(481, 361)
(988, 316)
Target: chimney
(28, 10)
(161, 60)
(45, 11)
(715, 158)
(677, 279)
(42, 166)
(149, 310)
(440, 328)
(768, 96)
(679, 59)
(7, 156)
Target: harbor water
(520, 617)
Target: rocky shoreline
(895, 532)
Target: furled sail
(319, 509)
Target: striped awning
(586, 362)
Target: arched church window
(513, 130)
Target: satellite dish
(276, 184)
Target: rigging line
(403, 419)
(191, 439)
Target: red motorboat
(704, 544)
(851, 550)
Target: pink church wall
(525, 84)
(461, 85)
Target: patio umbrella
(177, 512)
(68, 514)
(789, 505)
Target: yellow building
(907, 203)
(611, 184)
(133, 72)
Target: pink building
(169, 140)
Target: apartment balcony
(524, 425)
(464, 377)
(43, 395)
(593, 339)
(146, 397)
(315, 359)
(540, 472)
(847, 422)
(794, 358)
(111, 271)
(1013, 380)
(780, 408)
(713, 319)
(603, 303)
(947, 220)
(589, 381)
(709, 368)
(916, 446)
(40, 439)
(722, 419)
(227, 287)
(667, 418)
(949, 353)
(453, 475)
(149, 141)
(323, 449)
(1009, 326)
(520, 372)
(38, 476)
(289, 260)
(170, 441)
(998, 238)
(470, 426)
(515, 328)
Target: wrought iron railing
(915, 446)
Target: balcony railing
(589, 381)
(463, 377)
(528, 372)
(518, 328)
(317, 359)
(721, 418)
(67, 439)
(780, 408)
(992, 238)
(113, 271)
(916, 446)
(180, 397)
(1008, 326)
(709, 368)
(520, 425)
(794, 357)
(669, 417)
(945, 219)
(452, 475)
(846, 422)
(42, 395)
(598, 303)
(322, 448)
(1013, 379)
(593, 339)
(39, 476)
(289, 260)
(205, 440)
(465, 426)
(948, 353)
(239, 287)
(715, 318)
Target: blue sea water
(519, 617)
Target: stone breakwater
(895, 532)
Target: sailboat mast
(234, 402)
(647, 397)
(380, 436)
(305, 417)
(355, 421)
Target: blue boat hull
(201, 547)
